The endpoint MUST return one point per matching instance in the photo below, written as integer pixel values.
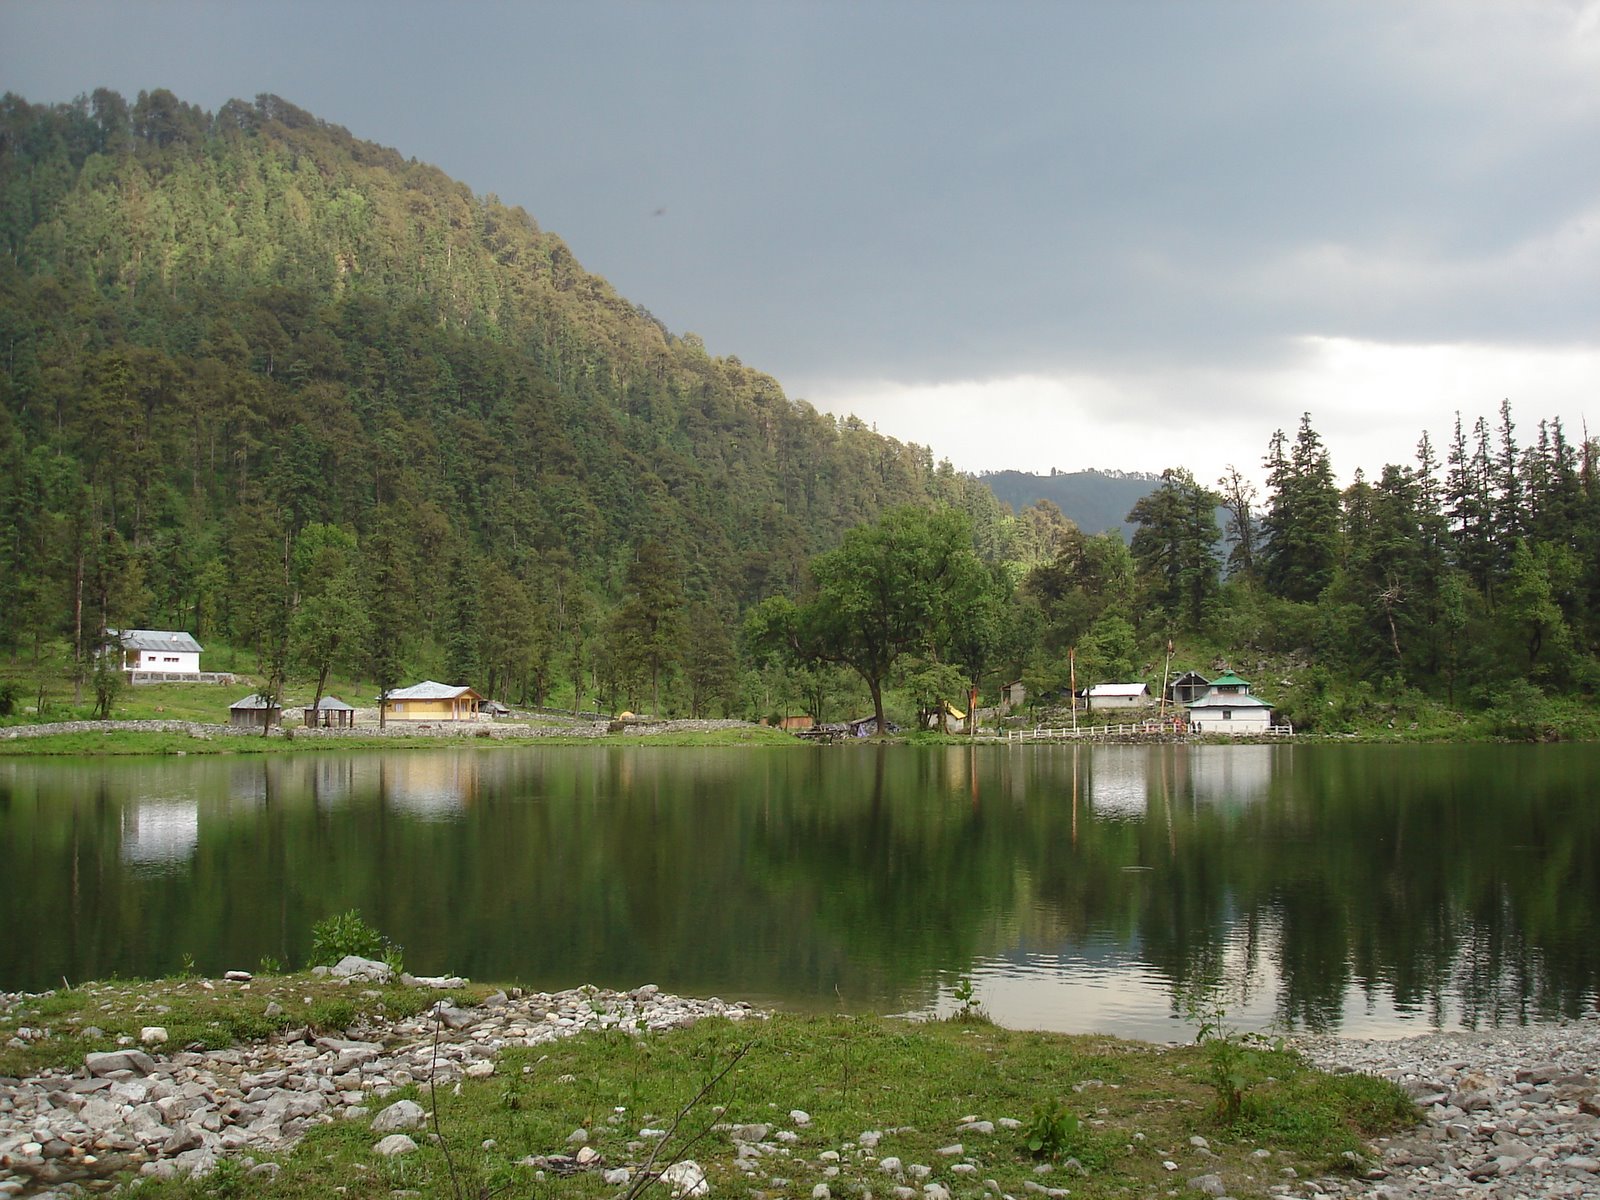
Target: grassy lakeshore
(158, 742)
(1111, 1114)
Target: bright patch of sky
(1029, 234)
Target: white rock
(952, 1151)
(353, 966)
(403, 1114)
(685, 1178)
(799, 1116)
(890, 1165)
(395, 1143)
(617, 1176)
(153, 1035)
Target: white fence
(1138, 731)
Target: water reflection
(1371, 889)
(160, 834)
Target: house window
(1227, 714)
(400, 706)
(170, 658)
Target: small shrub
(332, 1015)
(968, 1011)
(346, 933)
(1235, 1062)
(1052, 1131)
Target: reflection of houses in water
(160, 832)
(1119, 780)
(1223, 775)
(332, 781)
(247, 783)
(431, 786)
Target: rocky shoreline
(1507, 1113)
(179, 1113)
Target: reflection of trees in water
(1460, 880)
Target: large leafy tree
(885, 592)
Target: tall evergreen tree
(1301, 526)
(1175, 546)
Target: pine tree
(1301, 528)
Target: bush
(346, 933)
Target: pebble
(1508, 1114)
(174, 1113)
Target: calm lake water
(1368, 889)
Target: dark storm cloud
(928, 191)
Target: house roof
(1118, 689)
(1216, 701)
(331, 704)
(252, 701)
(1228, 679)
(156, 639)
(429, 690)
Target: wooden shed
(253, 712)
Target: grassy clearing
(1122, 1110)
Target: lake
(1376, 890)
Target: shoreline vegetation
(286, 1084)
(172, 737)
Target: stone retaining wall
(194, 729)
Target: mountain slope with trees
(273, 384)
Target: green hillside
(246, 353)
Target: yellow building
(430, 701)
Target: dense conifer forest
(297, 394)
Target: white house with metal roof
(1117, 695)
(167, 650)
(1228, 707)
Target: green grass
(1123, 1108)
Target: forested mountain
(1092, 500)
(259, 374)
(286, 389)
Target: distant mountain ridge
(1094, 501)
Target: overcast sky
(1124, 235)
